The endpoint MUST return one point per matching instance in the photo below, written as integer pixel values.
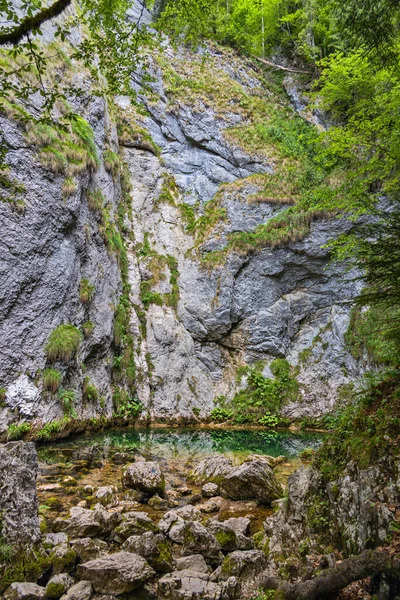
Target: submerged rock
(145, 477)
(117, 573)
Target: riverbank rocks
(173, 522)
(154, 548)
(145, 477)
(20, 527)
(117, 573)
(190, 585)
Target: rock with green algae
(243, 564)
(63, 559)
(229, 539)
(116, 573)
(133, 523)
(58, 585)
(197, 539)
(154, 547)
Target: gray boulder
(212, 469)
(88, 548)
(239, 524)
(243, 564)
(209, 490)
(80, 591)
(105, 495)
(252, 480)
(145, 477)
(133, 523)
(194, 562)
(198, 540)
(117, 573)
(229, 539)
(55, 539)
(81, 522)
(173, 522)
(154, 548)
(24, 591)
(193, 585)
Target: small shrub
(16, 431)
(125, 406)
(90, 393)
(307, 454)
(63, 343)
(51, 380)
(269, 420)
(86, 291)
(6, 552)
(67, 398)
(221, 414)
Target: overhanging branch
(15, 35)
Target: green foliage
(261, 398)
(51, 429)
(87, 328)
(3, 393)
(6, 552)
(367, 430)
(51, 380)
(89, 392)
(111, 162)
(125, 406)
(95, 200)
(67, 398)
(16, 431)
(63, 343)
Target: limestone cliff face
(194, 321)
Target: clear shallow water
(184, 444)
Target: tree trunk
(331, 581)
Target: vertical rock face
(50, 247)
(251, 306)
(195, 320)
(19, 523)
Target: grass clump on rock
(63, 343)
(16, 431)
(51, 380)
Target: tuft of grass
(3, 393)
(51, 380)
(96, 200)
(63, 343)
(69, 186)
(86, 291)
(49, 430)
(87, 328)
(112, 162)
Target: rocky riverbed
(157, 514)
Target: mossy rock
(28, 566)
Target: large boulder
(194, 562)
(133, 523)
(154, 548)
(229, 539)
(88, 548)
(145, 477)
(80, 591)
(117, 573)
(252, 480)
(243, 564)
(213, 468)
(81, 522)
(191, 585)
(20, 527)
(197, 539)
(173, 522)
(24, 591)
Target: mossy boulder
(154, 547)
